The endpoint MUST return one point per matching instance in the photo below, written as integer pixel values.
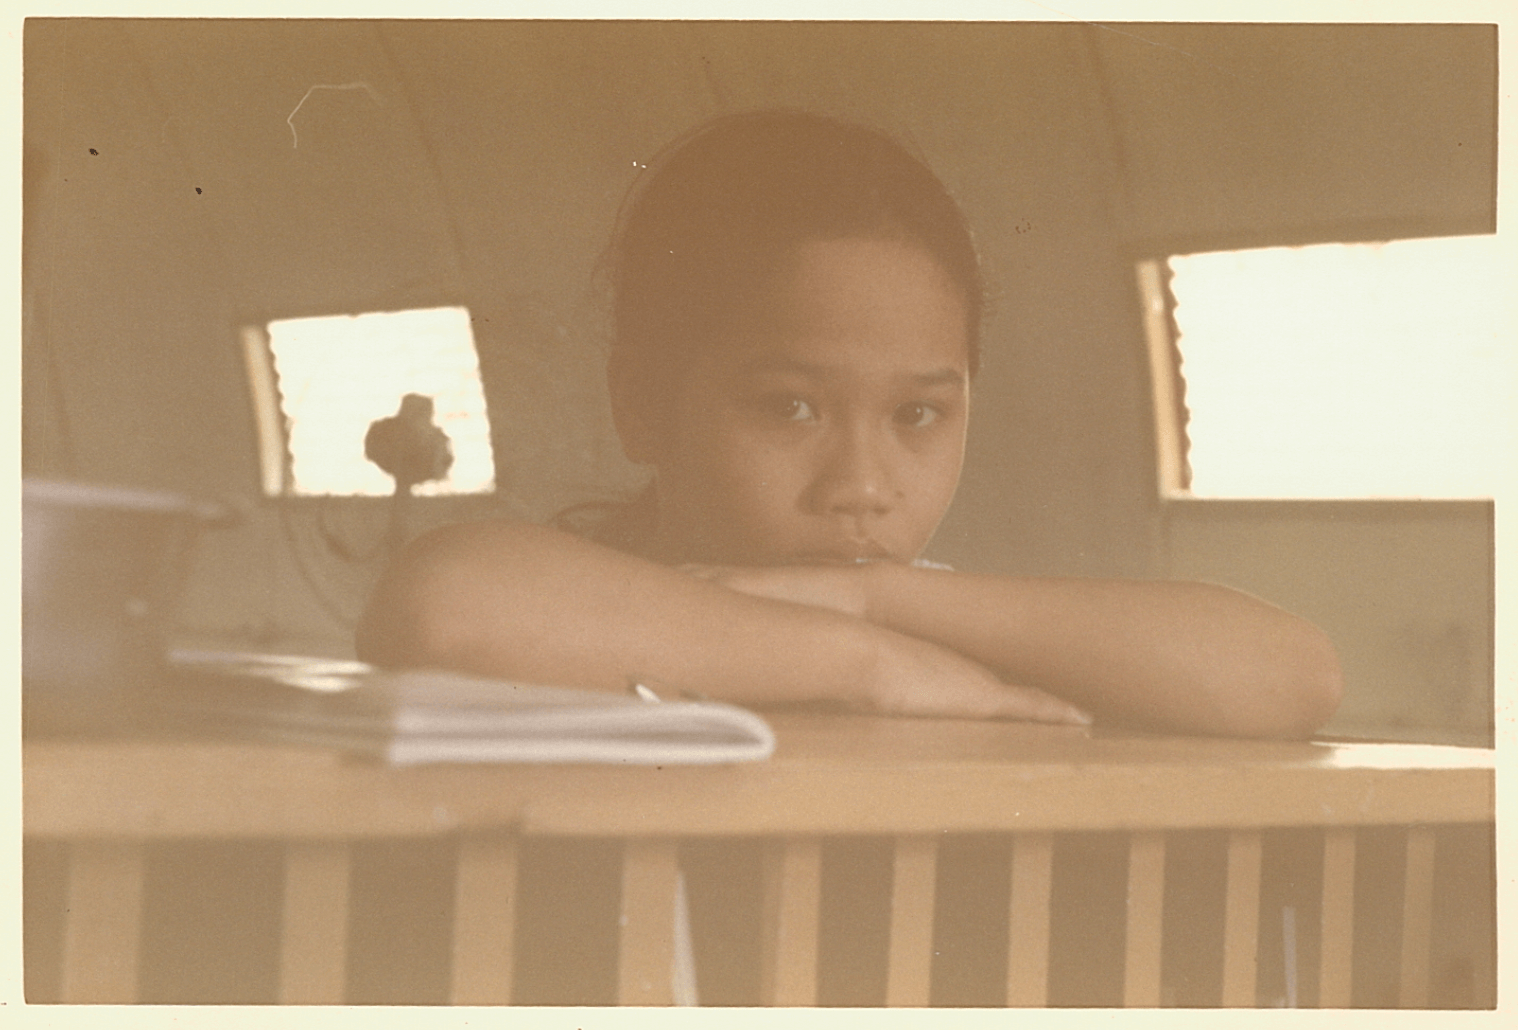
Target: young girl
(797, 312)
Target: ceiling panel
(1238, 135)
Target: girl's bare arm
(1181, 656)
(530, 603)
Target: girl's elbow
(396, 632)
(1308, 689)
(1322, 683)
(407, 622)
(1287, 691)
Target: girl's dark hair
(724, 205)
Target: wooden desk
(912, 780)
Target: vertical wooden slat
(101, 922)
(484, 920)
(1028, 920)
(645, 965)
(1338, 932)
(792, 896)
(1146, 904)
(1290, 964)
(909, 967)
(1417, 916)
(1241, 919)
(314, 936)
(683, 963)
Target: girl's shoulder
(621, 525)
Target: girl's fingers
(914, 677)
(917, 677)
(990, 698)
(1039, 706)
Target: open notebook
(408, 717)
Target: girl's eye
(916, 416)
(788, 408)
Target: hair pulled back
(726, 204)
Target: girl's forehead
(850, 301)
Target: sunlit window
(1364, 370)
(319, 383)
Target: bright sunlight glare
(338, 374)
(1347, 370)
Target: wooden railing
(910, 781)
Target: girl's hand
(917, 678)
(839, 588)
(907, 676)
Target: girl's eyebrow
(941, 377)
(946, 376)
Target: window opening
(319, 383)
(1340, 370)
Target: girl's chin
(836, 558)
(761, 553)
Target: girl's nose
(857, 479)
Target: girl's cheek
(743, 467)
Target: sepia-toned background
(183, 180)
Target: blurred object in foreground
(101, 570)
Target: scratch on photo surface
(1133, 35)
(290, 119)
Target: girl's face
(831, 426)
